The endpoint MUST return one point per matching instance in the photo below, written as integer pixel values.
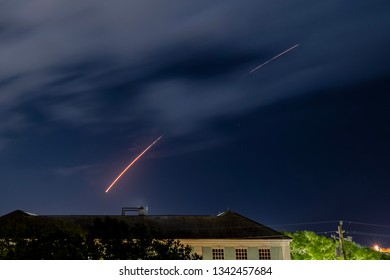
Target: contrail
(275, 57)
(124, 171)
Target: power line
(369, 234)
(355, 232)
(366, 224)
(328, 222)
(308, 223)
(325, 232)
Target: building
(227, 236)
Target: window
(264, 254)
(218, 254)
(241, 254)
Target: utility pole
(341, 239)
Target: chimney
(143, 211)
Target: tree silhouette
(109, 239)
(113, 239)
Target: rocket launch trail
(137, 158)
(155, 141)
(275, 57)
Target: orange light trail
(124, 171)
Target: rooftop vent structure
(142, 210)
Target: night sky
(86, 85)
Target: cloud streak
(98, 62)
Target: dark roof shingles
(228, 225)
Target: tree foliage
(307, 245)
(357, 252)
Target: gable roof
(17, 214)
(228, 225)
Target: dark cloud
(110, 53)
(74, 170)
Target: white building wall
(198, 245)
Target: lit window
(264, 254)
(218, 254)
(241, 254)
